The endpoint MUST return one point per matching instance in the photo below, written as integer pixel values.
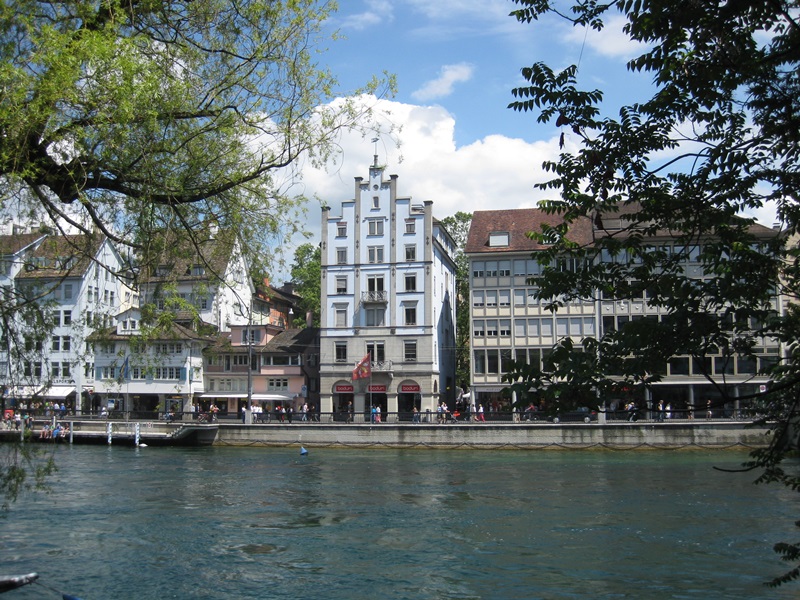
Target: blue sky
(456, 62)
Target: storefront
(409, 396)
(343, 398)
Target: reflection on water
(258, 523)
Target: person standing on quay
(481, 418)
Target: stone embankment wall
(491, 436)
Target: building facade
(388, 280)
(509, 322)
(77, 280)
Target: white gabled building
(207, 287)
(76, 280)
(388, 285)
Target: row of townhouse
(219, 339)
(509, 323)
(388, 279)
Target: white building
(388, 280)
(207, 288)
(75, 280)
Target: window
(411, 253)
(277, 383)
(67, 318)
(375, 283)
(478, 299)
(56, 319)
(341, 230)
(341, 351)
(410, 226)
(491, 328)
(505, 327)
(504, 269)
(375, 254)
(341, 256)
(519, 268)
(56, 344)
(491, 298)
(533, 327)
(479, 362)
(376, 317)
(477, 269)
(66, 343)
(410, 312)
(340, 315)
(376, 202)
(341, 285)
(67, 291)
(375, 226)
(198, 270)
(505, 297)
(492, 361)
(491, 268)
(478, 328)
(411, 282)
(546, 327)
(498, 239)
(376, 351)
(519, 327)
(410, 351)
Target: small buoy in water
(142, 445)
(303, 451)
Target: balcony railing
(381, 365)
(375, 297)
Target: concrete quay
(523, 436)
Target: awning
(221, 395)
(29, 391)
(273, 397)
(58, 392)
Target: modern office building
(509, 322)
(388, 280)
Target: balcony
(381, 297)
(381, 366)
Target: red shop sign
(343, 389)
(409, 388)
(377, 388)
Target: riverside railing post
(108, 432)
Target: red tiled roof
(517, 223)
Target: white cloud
(610, 41)
(496, 172)
(442, 86)
(378, 12)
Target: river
(155, 523)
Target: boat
(12, 582)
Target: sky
(456, 62)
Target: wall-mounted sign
(343, 389)
(377, 389)
(409, 388)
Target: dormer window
(498, 239)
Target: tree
(132, 117)
(717, 139)
(458, 226)
(306, 275)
